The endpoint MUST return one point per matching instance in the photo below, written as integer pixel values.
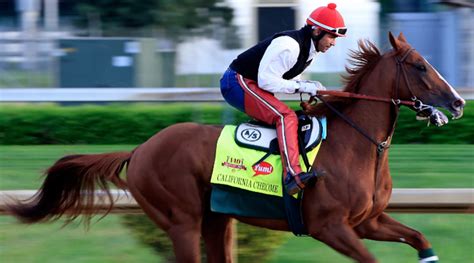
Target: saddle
(262, 137)
(244, 184)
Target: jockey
(270, 67)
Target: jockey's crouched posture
(270, 67)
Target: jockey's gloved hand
(311, 87)
(434, 116)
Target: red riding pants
(264, 106)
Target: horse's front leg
(385, 228)
(344, 239)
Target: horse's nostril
(459, 103)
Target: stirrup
(294, 184)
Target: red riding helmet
(328, 19)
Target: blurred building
(442, 31)
(11, 12)
(258, 19)
(39, 35)
(28, 29)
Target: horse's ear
(395, 43)
(401, 37)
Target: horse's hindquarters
(169, 173)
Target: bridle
(415, 103)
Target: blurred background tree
(169, 18)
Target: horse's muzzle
(457, 107)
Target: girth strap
(303, 153)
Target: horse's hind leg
(217, 234)
(183, 229)
(177, 212)
(168, 181)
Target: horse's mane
(362, 61)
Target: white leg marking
(428, 259)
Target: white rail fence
(403, 200)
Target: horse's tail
(69, 187)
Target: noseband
(415, 102)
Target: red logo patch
(262, 168)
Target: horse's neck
(375, 118)
(369, 172)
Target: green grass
(25, 78)
(432, 166)
(22, 79)
(438, 166)
(412, 166)
(198, 80)
(109, 241)
(106, 241)
(21, 167)
(328, 79)
(213, 80)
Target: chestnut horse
(169, 175)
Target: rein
(414, 102)
(351, 95)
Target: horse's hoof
(427, 256)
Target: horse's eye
(421, 67)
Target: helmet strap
(317, 38)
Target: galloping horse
(169, 175)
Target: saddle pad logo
(262, 168)
(251, 135)
(234, 163)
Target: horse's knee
(419, 240)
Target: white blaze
(453, 91)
